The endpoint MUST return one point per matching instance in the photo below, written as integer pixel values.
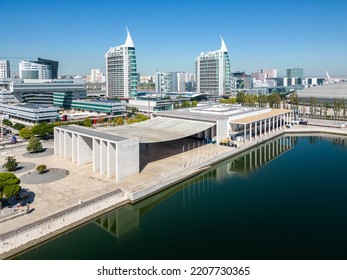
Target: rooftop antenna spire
(129, 42)
(223, 47)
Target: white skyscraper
(4, 69)
(121, 74)
(213, 71)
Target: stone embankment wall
(64, 220)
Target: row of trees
(43, 129)
(186, 104)
(320, 109)
(17, 126)
(262, 100)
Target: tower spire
(223, 47)
(129, 42)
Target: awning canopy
(160, 129)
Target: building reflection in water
(127, 218)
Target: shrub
(34, 145)
(25, 133)
(19, 126)
(11, 163)
(7, 122)
(42, 168)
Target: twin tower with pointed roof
(212, 71)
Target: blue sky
(168, 35)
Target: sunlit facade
(213, 71)
(121, 71)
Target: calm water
(283, 200)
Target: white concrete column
(56, 141)
(261, 128)
(61, 141)
(256, 130)
(74, 147)
(111, 164)
(244, 132)
(103, 157)
(250, 132)
(265, 127)
(96, 155)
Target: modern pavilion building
(121, 73)
(213, 71)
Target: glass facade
(121, 70)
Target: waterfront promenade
(82, 195)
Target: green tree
(34, 145)
(10, 163)
(42, 168)
(25, 133)
(185, 104)
(7, 122)
(40, 130)
(194, 103)
(88, 122)
(240, 97)
(119, 121)
(9, 185)
(18, 126)
(294, 100)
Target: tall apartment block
(4, 69)
(213, 71)
(121, 73)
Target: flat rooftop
(92, 132)
(273, 113)
(210, 113)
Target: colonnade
(256, 129)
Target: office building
(4, 69)
(121, 71)
(52, 63)
(166, 82)
(213, 71)
(34, 70)
(295, 73)
(30, 112)
(46, 92)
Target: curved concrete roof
(325, 92)
(160, 129)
